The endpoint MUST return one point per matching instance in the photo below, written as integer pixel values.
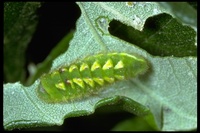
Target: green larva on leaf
(89, 76)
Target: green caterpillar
(89, 76)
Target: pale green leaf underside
(168, 89)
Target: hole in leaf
(162, 35)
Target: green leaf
(183, 11)
(166, 95)
(133, 124)
(20, 22)
(165, 34)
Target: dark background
(56, 19)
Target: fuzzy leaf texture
(165, 94)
